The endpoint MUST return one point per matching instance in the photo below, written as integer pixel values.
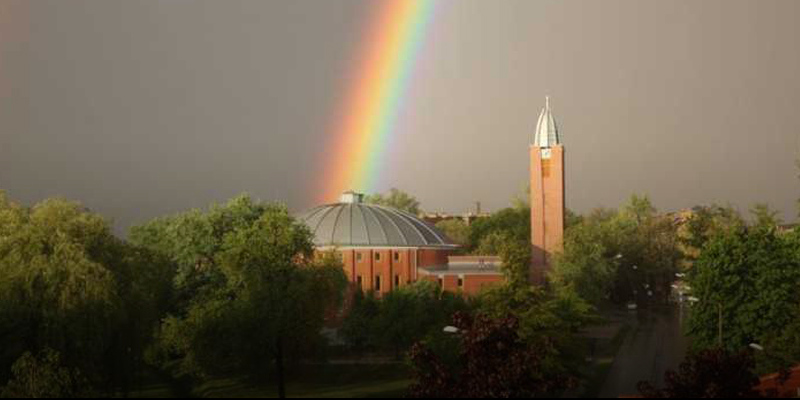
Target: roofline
(387, 246)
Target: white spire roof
(546, 129)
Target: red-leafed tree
(492, 361)
(708, 374)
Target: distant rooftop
(472, 265)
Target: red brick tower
(547, 195)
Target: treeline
(77, 305)
(235, 289)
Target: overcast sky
(141, 108)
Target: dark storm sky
(141, 108)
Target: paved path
(654, 345)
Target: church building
(383, 248)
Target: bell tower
(547, 195)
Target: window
(377, 283)
(358, 280)
(397, 256)
(441, 283)
(377, 256)
(397, 281)
(460, 282)
(358, 257)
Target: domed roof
(351, 223)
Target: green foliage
(588, 263)
(781, 348)
(630, 254)
(748, 278)
(548, 318)
(512, 224)
(253, 293)
(357, 327)
(44, 375)
(764, 216)
(704, 223)
(396, 199)
(491, 360)
(400, 318)
(455, 229)
(67, 284)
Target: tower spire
(546, 128)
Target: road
(654, 345)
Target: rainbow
(363, 128)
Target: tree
(492, 361)
(781, 348)
(625, 255)
(703, 223)
(45, 375)
(69, 287)
(514, 224)
(746, 280)
(265, 298)
(358, 325)
(764, 216)
(710, 373)
(456, 229)
(401, 317)
(396, 199)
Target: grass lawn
(386, 380)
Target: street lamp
(756, 346)
(450, 329)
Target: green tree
(45, 375)
(67, 284)
(514, 224)
(492, 360)
(630, 254)
(401, 317)
(703, 223)
(411, 313)
(548, 318)
(455, 229)
(261, 297)
(764, 216)
(358, 325)
(747, 281)
(396, 199)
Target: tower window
(397, 281)
(441, 283)
(358, 257)
(377, 256)
(378, 283)
(460, 282)
(397, 256)
(359, 281)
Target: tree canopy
(397, 199)
(630, 254)
(253, 294)
(73, 296)
(746, 280)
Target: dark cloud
(144, 108)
